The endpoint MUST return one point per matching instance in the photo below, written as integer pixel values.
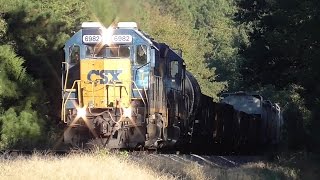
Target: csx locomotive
(122, 89)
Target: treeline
(269, 47)
(282, 61)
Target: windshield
(114, 51)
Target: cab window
(141, 55)
(75, 54)
(114, 51)
(174, 68)
(119, 51)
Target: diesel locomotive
(122, 89)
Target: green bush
(20, 95)
(21, 129)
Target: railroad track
(200, 160)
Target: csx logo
(103, 75)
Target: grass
(306, 163)
(176, 169)
(75, 166)
(101, 164)
(192, 170)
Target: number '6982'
(91, 38)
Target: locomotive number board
(91, 39)
(117, 39)
(95, 36)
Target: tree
(32, 35)
(19, 118)
(39, 30)
(169, 29)
(221, 35)
(284, 52)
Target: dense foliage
(31, 37)
(284, 55)
(267, 46)
(165, 28)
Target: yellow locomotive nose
(106, 83)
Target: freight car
(262, 125)
(240, 122)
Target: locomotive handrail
(64, 90)
(67, 74)
(145, 92)
(66, 99)
(114, 84)
(79, 92)
(134, 83)
(92, 90)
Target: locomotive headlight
(127, 112)
(107, 34)
(81, 112)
